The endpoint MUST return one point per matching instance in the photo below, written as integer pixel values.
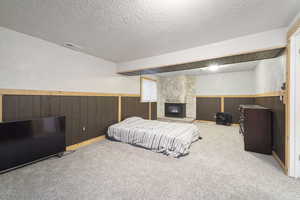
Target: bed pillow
(131, 119)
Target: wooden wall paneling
(55, 102)
(92, 119)
(74, 119)
(124, 109)
(96, 114)
(45, 106)
(154, 111)
(278, 124)
(10, 104)
(112, 106)
(66, 109)
(207, 107)
(279, 129)
(131, 106)
(119, 108)
(24, 107)
(149, 110)
(109, 112)
(99, 115)
(1, 108)
(36, 106)
(231, 105)
(29, 107)
(84, 118)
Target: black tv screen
(25, 141)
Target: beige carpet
(217, 168)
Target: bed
(172, 139)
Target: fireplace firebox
(175, 110)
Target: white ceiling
(244, 66)
(123, 30)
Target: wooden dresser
(256, 127)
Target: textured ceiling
(123, 30)
(237, 67)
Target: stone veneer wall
(177, 89)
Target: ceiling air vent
(72, 46)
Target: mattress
(170, 138)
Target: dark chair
(223, 118)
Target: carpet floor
(217, 168)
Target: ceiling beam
(230, 59)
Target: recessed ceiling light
(72, 46)
(212, 68)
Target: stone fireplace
(177, 90)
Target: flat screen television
(26, 141)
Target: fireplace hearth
(175, 110)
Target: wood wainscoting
(154, 111)
(84, 114)
(278, 125)
(207, 107)
(88, 115)
(1, 107)
(132, 106)
(231, 105)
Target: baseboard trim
(85, 143)
(276, 157)
(207, 121)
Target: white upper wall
(270, 75)
(267, 76)
(248, 43)
(31, 63)
(233, 83)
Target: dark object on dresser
(224, 118)
(256, 126)
(27, 141)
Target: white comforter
(172, 139)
